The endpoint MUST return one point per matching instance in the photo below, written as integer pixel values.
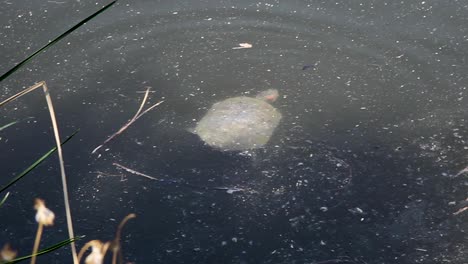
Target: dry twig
(134, 118)
(462, 209)
(134, 171)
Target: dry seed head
(44, 215)
(7, 253)
(98, 251)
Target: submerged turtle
(240, 123)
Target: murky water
(359, 170)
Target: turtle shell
(238, 123)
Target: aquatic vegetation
(59, 151)
(12, 123)
(51, 43)
(99, 248)
(4, 198)
(44, 216)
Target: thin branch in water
(134, 118)
(135, 172)
(101, 174)
(229, 190)
(461, 172)
(341, 259)
(464, 208)
(461, 210)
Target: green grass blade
(12, 123)
(8, 125)
(19, 65)
(47, 250)
(35, 164)
(4, 199)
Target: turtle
(240, 123)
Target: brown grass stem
(99, 249)
(18, 95)
(60, 155)
(62, 171)
(116, 247)
(40, 227)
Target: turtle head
(269, 95)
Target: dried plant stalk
(99, 249)
(44, 217)
(60, 155)
(116, 247)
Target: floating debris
(243, 46)
(310, 66)
(138, 114)
(227, 189)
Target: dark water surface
(358, 171)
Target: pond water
(361, 168)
